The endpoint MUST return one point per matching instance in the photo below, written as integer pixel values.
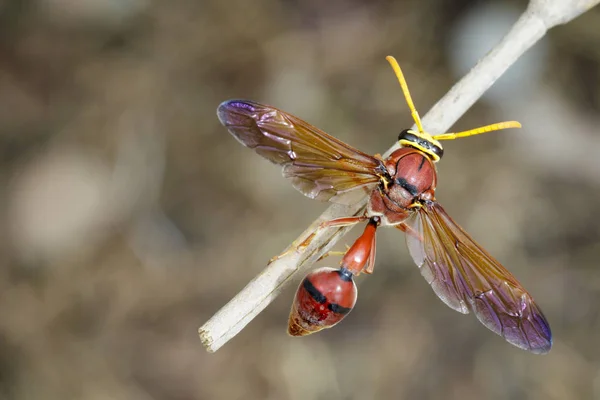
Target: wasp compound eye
(403, 134)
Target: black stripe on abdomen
(336, 308)
(314, 292)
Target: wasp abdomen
(323, 299)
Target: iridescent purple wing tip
(468, 279)
(319, 165)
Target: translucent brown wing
(467, 278)
(320, 166)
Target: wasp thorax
(412, 175)
(323, 299)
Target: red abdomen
(322, 300)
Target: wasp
(401, 190)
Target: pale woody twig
(533, 24)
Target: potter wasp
(401, 192)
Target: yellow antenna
(404, 86)
(477, 131)
(424, 141)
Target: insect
(401, 190)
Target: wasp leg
(371, 262)
(409, 231)
(334, 223)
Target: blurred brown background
(129, 215)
